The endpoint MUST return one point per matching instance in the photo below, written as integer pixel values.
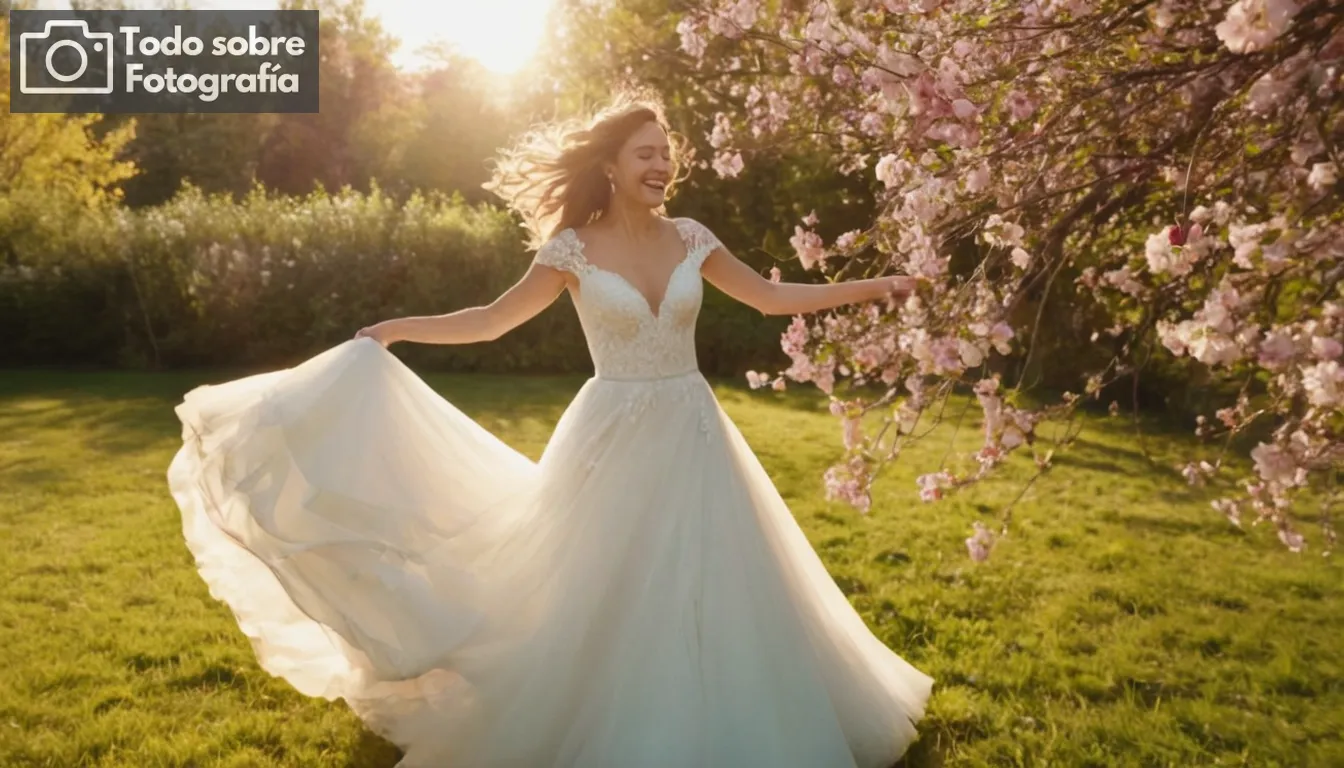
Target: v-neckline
(657, 313)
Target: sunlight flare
(501, 34)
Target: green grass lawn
(1122, 623)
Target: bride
(638, 597)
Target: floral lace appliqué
(627, 338)
(700, 242)
(562, 252)
(688, 392)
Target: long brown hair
(553, 175)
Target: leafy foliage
(204, 279)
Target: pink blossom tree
(1165, 172)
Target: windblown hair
(553, 175)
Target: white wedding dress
(640, 597)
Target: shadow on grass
(110, 412)
(1166, 525)
(372, 751)
(30, 471)
(120, 412)
(923, 754)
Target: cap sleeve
(561, 252)
(700, 241)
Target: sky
(501, 34)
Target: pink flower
(1326, 348)
(1324, 384)
(1251, 25)
(1276, 257)
(891, 170)
(978, 179)
(1230, 509)
(1000, 232)
(980, 542)
(808, 246)
(743, 13)
(1000, 336)
(1196, 472)
(1322, 176)
(946, 355)
(1162, 256)
(728, 164)
(1307, 146)
(1213, 348)
(723, 25)
(1267, 93)
(1277, 349)
(1162, 16)
(824, 376)
(795, 337)
(1274, 465)
(964, 109)
(692, 42)
(774, 274)
(872, 124)
(930, 485)
(971, 355)
(1245, 240)
(722, 133)
(992, 405)
(849, 482)
(1020, 106)
(1292, 540)
(852, 433)
(1195, 242)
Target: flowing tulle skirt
(640, 596)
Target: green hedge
(268, 280)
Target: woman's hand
(379, 332)
(899, 286)
(729, 274)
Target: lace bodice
(628, 338)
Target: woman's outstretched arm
(524, 300)
(730, 275)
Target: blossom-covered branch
(1164, 175)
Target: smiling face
(643, 166)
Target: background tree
(1092, 189)
(367, 111)
(52, 167)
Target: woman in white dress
(639, 597)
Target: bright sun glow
(501, 34)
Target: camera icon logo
(100, 43)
